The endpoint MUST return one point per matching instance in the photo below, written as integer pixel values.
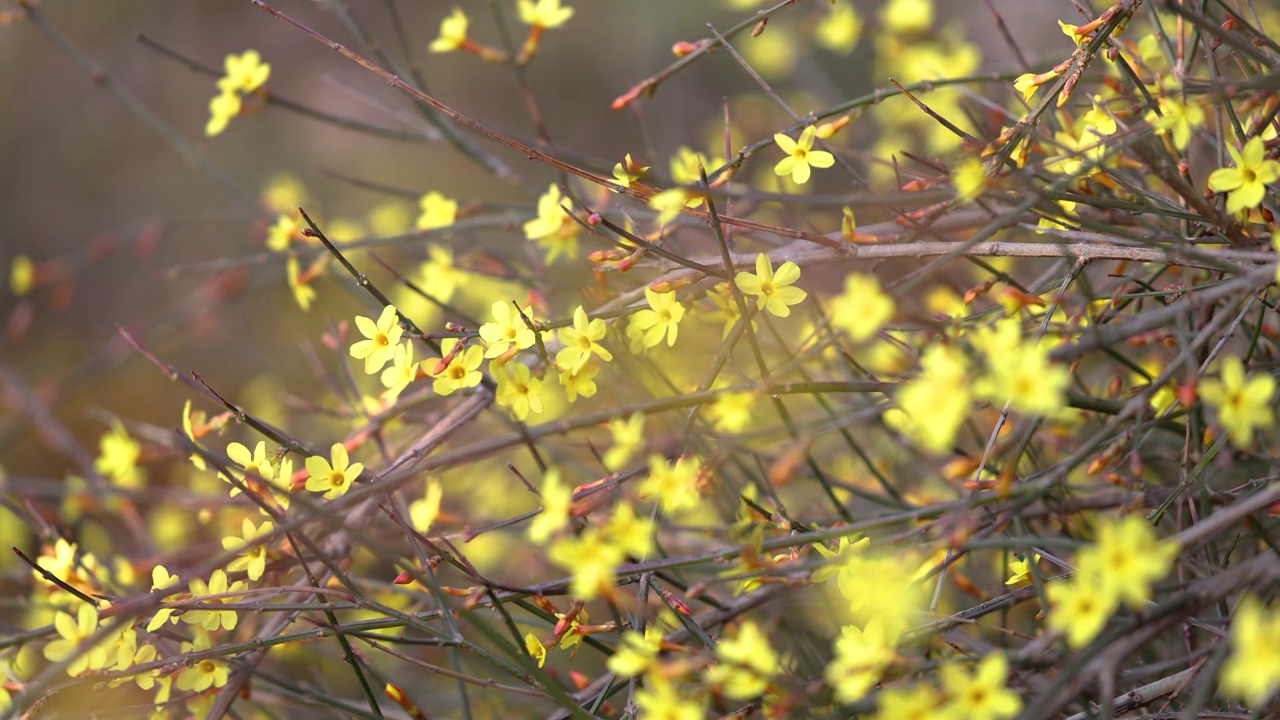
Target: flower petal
(764, 267)
(339, 454)
(1225, 179)
(747, 283)
(800, 174)
(788, 273)
(821, 158)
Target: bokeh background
(89, 184)
(127, 231)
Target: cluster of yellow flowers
(245, 75)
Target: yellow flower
(519, 390)
(210, 620)
(839, 30)
(553, 229)
(557, 499)
(983, 694)
(669, 203)
(629, 533)
(800, 156)
(535, 648)
(254, 463)
(453, 32)
(118, 458)
(686, 166)
(727, 311)
(437, 211)
(462, 371)
(543, 13)
(381, 339)
(591, 559)
(1028, 83)
(907, 703)
(1079, 610)
(837, 558)
(253, 559)
(906, 16)
(160, 580)
(1252, 670)
(660, 700)
(1126, 559)
(746, 663)
(204, 674)
(1241, 403)
(1070, 31)
(285, 231)
(22, 275)
(934, 403)
(334, 478)
(73, 632)
(403, 371)
(674, 484)
(861, 657)
(636, 652)
(969, 179)
(862, 309)
(283, 193)
(580, 341)
(507, 330)
(424, 511)
(627, 172)
(1177, 119)
(222, 108)
(245, 72)
(440, 277)
(580, 382)
(628, 437)
(1246, 182)
(1025, 379)
(662, 318)
(773, 292)
(303, 293)
(733, 410)
(1021, 569)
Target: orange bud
(675, 602)
(1005, 481)
(784, 468)
(960, 466)
(602, 256)
(666, 286)
(965, 585)
(1187, 394)
(976, 292)
(831, 127)
(645, 88)
(683, 47)
(1136, 466)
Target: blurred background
(128, 216)
(122, 215)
